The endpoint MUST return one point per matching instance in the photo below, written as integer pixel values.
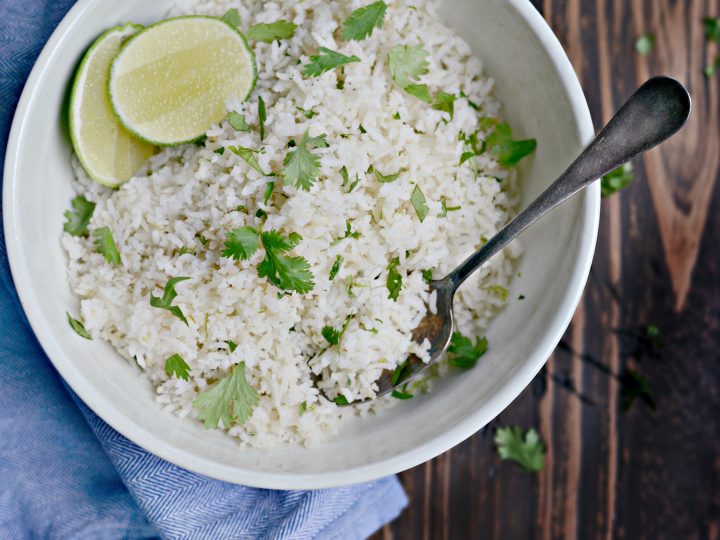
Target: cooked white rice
(191, 192)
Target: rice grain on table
(191, 193)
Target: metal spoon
(656, 111)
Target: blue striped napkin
(64, 473)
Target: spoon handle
(657, 110)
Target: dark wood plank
(609, 474)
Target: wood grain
(609, 474)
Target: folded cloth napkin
(64, 473)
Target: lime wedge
(169, 84)
(109, 154)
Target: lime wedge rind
(132, 126)
(80, 143)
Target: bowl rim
(588, 230)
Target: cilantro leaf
(231, 400)
(248, 154)
(445, 208)
(336, 267)
(169, 294)
(427, 275)
(231, 345)
(420, 91)
(418, 201)
(645, 44)
(78, 327)
(445, 102)
(361, 22)
(286, 273)
(331, 335)
(237, 121)
(634, 386)
(407, 63)
(105, 245)
(402, 393)
(262, 116)
(78, 219)
(241, 243)
(464, 354)
(712, 28)
(394, 280)
(269, 188)
(345, 176)
(527, 450)
(269, 32)
(501, 144)
(617, 179)
(400, 373)
(176, 365)
(325, 61)
(386, 179)
(232, 17)
(341, 400)
(301, 165)
(307, 113)
(349, 233)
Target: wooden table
(609, 474)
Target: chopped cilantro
(231, 400)
(386, 179)
(521, 297)
(169, 294)
(617, 179)
(307, 113)
(526, 449)
(345, 176)
(407, 64)
(79, 218)
(464, 354)
(362, 129)
(445, 102)
(219, 150)
(361, 22)
(78, 327)
(248, 154)
(394, 280)
(302, 408)
(418, 201)
(176, 365)
(325, 61)
(285, 272)
(445, 208)
(301, 165)
(396, 116)
(402, 394)
(237, 121)
(499, 291)
(645, 44)
(241, 243)
(231, 345)
(336, 267)
(400, 373)
(427, 275)
(262, 116)
(105, 245)
(232, 17)
(500, 143)
(354, 184)
(268, 192)
(634, 386)
(260, 213)
(331, 335)
(712, 28)
(349, 233)
(202, 239)
(269, 32)
(341, 400)
(420, 91)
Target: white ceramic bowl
(542, 99)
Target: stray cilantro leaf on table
(301, 165)
(231, 400)
(241, 243)
(78, 218)
(418, 201)
(361, 22)
(237, 121)
(394, 280)
(325, 61)
(232, 17)
(463, 354)
(645, 44)
(712, 28)
(169, 294)
(248, 155)
(78, 327)
(500, 143)
(634, 386)
(407, 64)
(176, 365)
(527, 450)
(269, 32)
(617, 179)
(105, 245)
